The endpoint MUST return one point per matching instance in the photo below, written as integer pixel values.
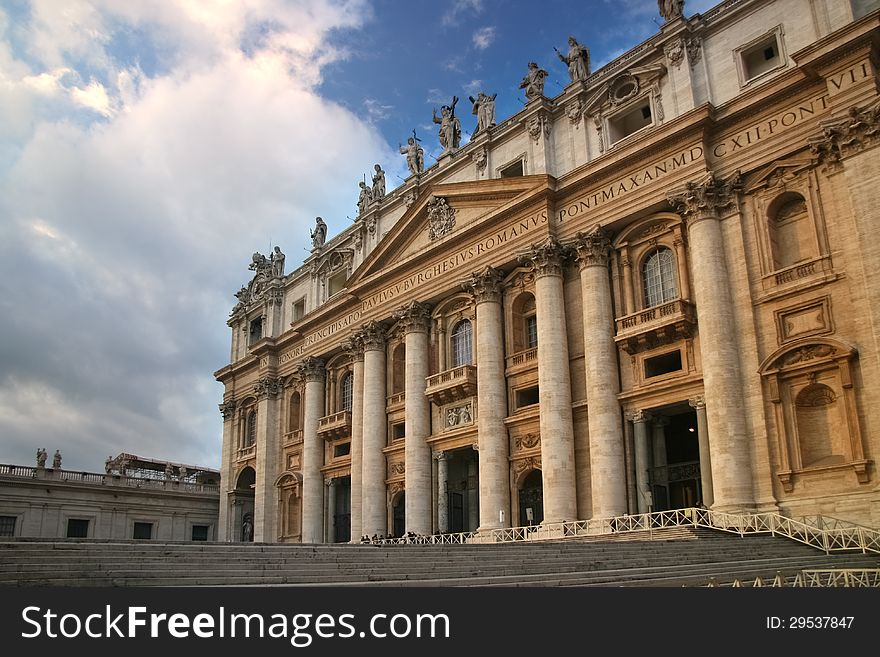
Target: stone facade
(665, 295)
(41, 502)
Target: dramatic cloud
(147, 151)
(484, 37)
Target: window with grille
(7, 525)
(462, 349)
(531, 332)
(659, 278)
(251, 432)
(347, 391)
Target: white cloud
(484, 37)
(376, 111)
(131, 202)
(457, 8)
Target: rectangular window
(663, 364)
(343, 449)
(77, 528)
(336, 283)
(299, 309)
(200, 532)
(761, 57)
(398, 431)
(630, 121)
(511, 170)
(527, 397)
(143, 530)
(531, 332)
(256, 331)
(7, 525)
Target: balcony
(522, 361)
(337, 425)
(457, 383)
(656, 326)
(246, 452)
(396, 402)
(293, 437)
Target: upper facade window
(462, 344)
(251, 429)
(347, 391)
(761, 56)
(659, 277)
(630, 121)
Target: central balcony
(451, 385)
(337, 425)
(656, 326)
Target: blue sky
(148, 148)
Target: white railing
(95, 478)
(809, 578)
(827, 534)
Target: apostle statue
(450, 126)
(378, 183)
(415, 155)
(365, 197)
(277, 262)
(41, 457)
(56, 459)
(670, 9)
(484, 108)
(577, 60)
(319, 234)
(533, 82)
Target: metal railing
(814, 577)
(823, 533)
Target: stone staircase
(681, 556)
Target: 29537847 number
(810, 622)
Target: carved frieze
(485, 285)
(528, 441)
(575, 112)
(674, 51)
(268, 386)
(458, 416)
(414, 317)
(548, 258)
(845, 136)
(441, 217)
(480, 157)
(311, 369)
(530, 463)
(592, 249)
(706, 198)
(538, 125)
(227, 409)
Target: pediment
(441, 214)
(779, 172)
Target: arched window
(462, 349)
(347, 391)
(398, 369)
(658, 273)
(251, 429)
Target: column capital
(697, 402)
(485, 285)
(439, 456)
(353, 347)
(846, 135)
(706, 198)
(227, 409)
(414, 317)
(593, 249)
(267, 386)
(372, 335)
(311, 369)
(638, 416)
(547, 258)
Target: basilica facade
(658, 289)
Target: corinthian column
(700, 204)
(485, 290)
(312, 372)
(414, 319)
(268, 453)
(554, 383)
(607, 460)
(373, 504)
(224, 531)
(355, 349)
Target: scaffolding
(139, 467)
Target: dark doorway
(676, 483)
(456, 512)
(531, 499)
(342, 512)
(398, 513)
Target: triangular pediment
(443, 214)
(779, 172)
